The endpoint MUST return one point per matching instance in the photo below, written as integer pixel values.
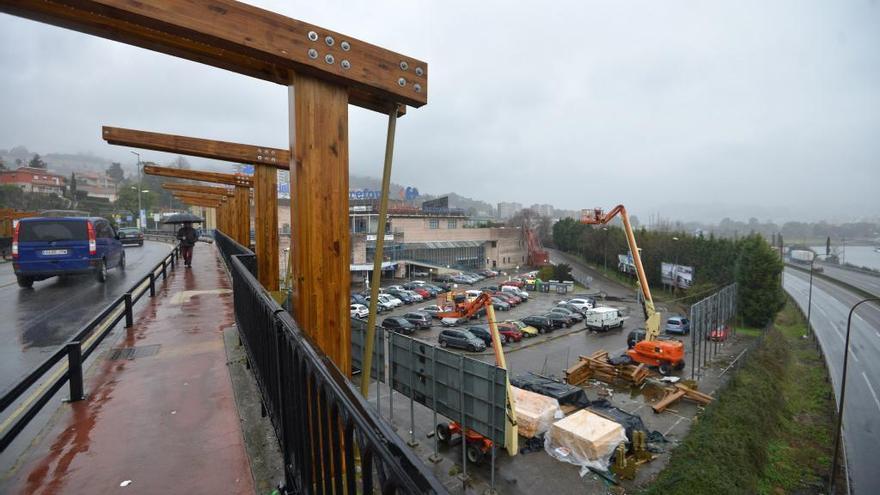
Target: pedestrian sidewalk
(162, 421)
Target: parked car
(635, 336)
(678, 324)
(482, 333)
(572, 307)
(382, 305)
(500, 304)
(602, 319)
(44, 247)
(542, 323)
(517, 291)
(720, 334)
(582, 303)
(398, 324)
(416, 297)
(488, 273)
(131, 235)
(461, 279)
(412, 284)
(402, 295)
(513, 283)
(509, 297)
(460, 338)
(359, 311)
(419, 319)
(443, 278)
(560, 320)
(438, 287)
(576, 316)
(423, 293)
(432, 310)
(509, 333)
(526, 330)
(359, 299)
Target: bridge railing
(329, 437)
(55, 371)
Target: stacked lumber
(679, 391)
(599, 367)
(534, 412)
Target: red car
(516, 283)
(511, 299)
(508, 332)
(422, 292)
(720, 334)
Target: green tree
(562, 272)
(2, 165)
(72, 185)
(758, 270)
(115, 172)
(37, 162)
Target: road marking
(853, 354)
(876, 401)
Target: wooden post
(319, 215)
(242, 222)
(266, 225)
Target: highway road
(34, 322)
(830, 307)
(865, 281)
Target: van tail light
(15, 240)
(93, 245)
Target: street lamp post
(675, 266)
(843, 392)
(605, 250)
(140, 186)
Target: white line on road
(853, 354)
(876, 401)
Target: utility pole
(140, 186)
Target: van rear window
(52, 231)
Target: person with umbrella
(187, 235)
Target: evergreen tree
(828, 246)
(760, 294)
(37, 162)
(115, 172)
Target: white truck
(603, 318)
(802, 255)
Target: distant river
(856, 255)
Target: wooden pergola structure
(266, 162)
(324, 71)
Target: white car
(415, 295)
(394, 287)
(359, 311)
(390, 300)
(582, 304)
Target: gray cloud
(754, 105)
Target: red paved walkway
(165, 423)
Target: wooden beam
(200, 175)
(200, 202)
(205, 148)
(319, 215)
(244, 39)
(194, 195)
(242, 205)
(266, 224)
(197, 188)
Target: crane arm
(596, 216)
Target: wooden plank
(243, 215)
(668, 400)
(319, 216)
(266, 224)
(197, 188)
(200, 195)
(199, 175)
(200, 202)
(242, 38)
(205, 148)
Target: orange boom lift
(665, 354)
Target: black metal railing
(330, 439)
(76, 350)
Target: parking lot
(549, 355)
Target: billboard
(678, 276)
(625, 263)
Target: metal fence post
(172, 258)
(164, 273)
(74, 371)
(152, 285)
(129, 315)
(463, 418)
(390, 374)
(412, 416)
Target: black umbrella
(183, 218)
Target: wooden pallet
(679, 391)
(598, 366)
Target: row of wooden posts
(324, 72)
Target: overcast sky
(695, 110)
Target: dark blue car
(44, 247)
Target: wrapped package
(534, 412)
(584, 439)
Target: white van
(603, 318)
(511, 289)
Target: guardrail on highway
(330, 438)
(76, 350)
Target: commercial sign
(372, 237)
(625, 263)
(408, 193)
(678, 276)
(283, 179)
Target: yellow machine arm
(596, 216)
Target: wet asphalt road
(861, 416)
(34, 322)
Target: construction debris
(673, 394)
(599, 366)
